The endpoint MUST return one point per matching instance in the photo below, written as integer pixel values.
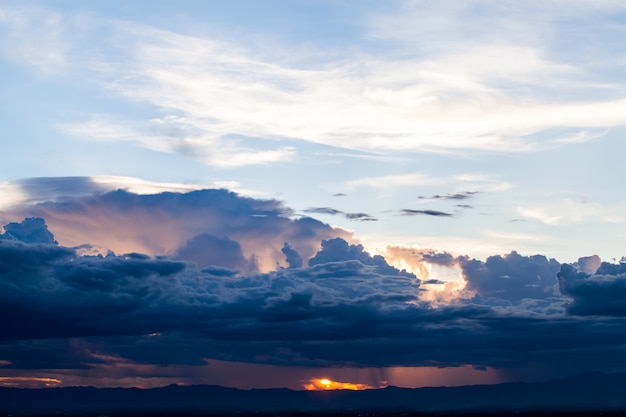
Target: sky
(313, 195)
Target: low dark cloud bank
(334, 305)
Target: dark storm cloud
(20, 262)
(602, 293)
(345, 307)
(456, 196)
(436, 213)
(511, 277)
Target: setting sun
(321, 384)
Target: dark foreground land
(359, 414)
(584, 395)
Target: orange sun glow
(325, 384)
(28, 382)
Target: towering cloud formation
(209, 227)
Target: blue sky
(466, 128)
(300, 101)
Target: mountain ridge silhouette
(591, 391)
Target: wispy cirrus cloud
(571, 210)
(221, 103)
(478, 182)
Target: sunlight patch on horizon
(28, 382)
(325, 384)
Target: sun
(326, 384)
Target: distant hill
(595, 391)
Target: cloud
(573, 210)
(479, 182)
(209, 250)
(456, 196)
(124, 222)
(363, 217)
(338, 306)
(36, 37)
(600, 293)
(293, 258)
(42, 189)
(323, 210)
(229, 103)
(342, 309)
(338, 250)
(589, 264)
(174, 134)
(434, 282)
(350, 216)
(511, 277)
(435, 213)
(417, 260)
(30, 230)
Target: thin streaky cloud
(435, 213)
(478, 182)
(323, 210)
(363, 217)
(573, 211)
(456, 196)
